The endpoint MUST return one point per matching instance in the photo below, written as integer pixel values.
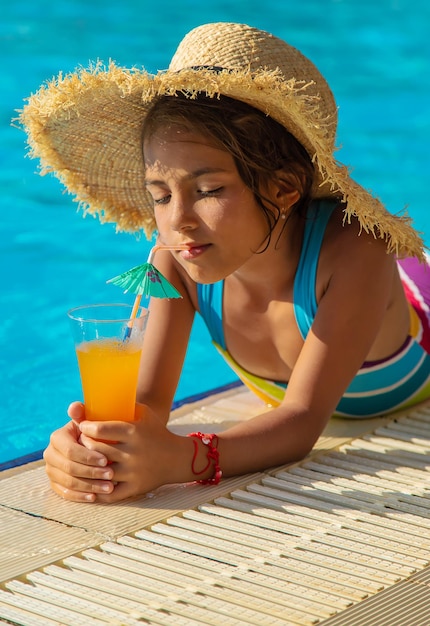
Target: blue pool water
(375, 55)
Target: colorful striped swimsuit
(379, 387)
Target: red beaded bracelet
(211, 441)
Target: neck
(271, 272)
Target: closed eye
(210, 192)
(163, 200)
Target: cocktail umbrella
(146, 280)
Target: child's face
(200, 199)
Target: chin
(204, 277)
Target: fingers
(74, 495)
(76, 472)
(64, 445)
(120, 492)
(95, 433)
(74, 489)
(56, 461)
(80, 483)
(76, 412)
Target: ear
(283, 192)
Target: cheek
(254, 222)
(161, 218)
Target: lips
(194, 251)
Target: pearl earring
(283, 216)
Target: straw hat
(86, 127)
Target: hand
(84, 467)
(75, 472)
(144, 455)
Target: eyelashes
(207, 193)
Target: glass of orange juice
(108, 345)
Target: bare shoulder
(358, 276)
(349, 249)
(343, 232)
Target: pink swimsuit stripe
(416, 282)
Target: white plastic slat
(371, 527)
(32, 600)
(255, 590)
(356, 465)
(142, 606)
(189, 598)
(390, 482)
(158, 609)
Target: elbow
(303, 450)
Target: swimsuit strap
(305, 302)
(209, 299)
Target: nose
(181, 214)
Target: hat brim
(86, 129)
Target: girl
(293, 266)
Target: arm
(353, 308)
(165, 343)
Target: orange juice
(109, 369)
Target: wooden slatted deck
(340, 539)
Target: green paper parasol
(146, 280)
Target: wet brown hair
(262, 149)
